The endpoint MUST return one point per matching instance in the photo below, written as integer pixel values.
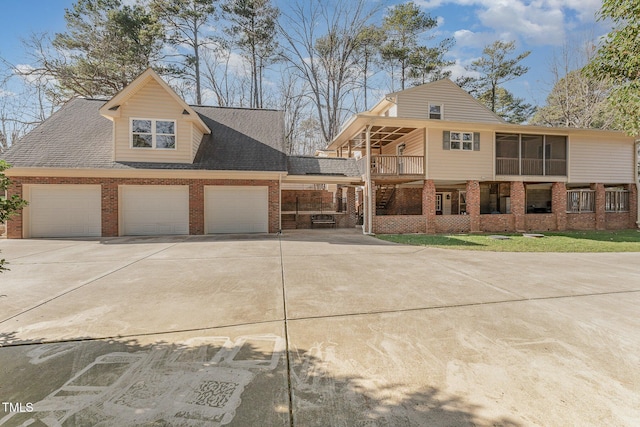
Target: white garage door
(65, 211)
(150, 210)
(236, 209)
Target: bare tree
(326, 61)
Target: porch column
(370, 205)
(429, 205)
(351, 207)
(518, 208)
(14, 223)
(473, 205)
(559, 204)
(599, 206)
(633, 206)
(196, 208)
(109, 208)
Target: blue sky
(541, 26)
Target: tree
(9, 206)
(106, 46)
(253, 23)
(510, 108)
(618, 60)
(402, 24)
(368, 50)
(326, 62)
(496, 67)
(186, 22)
(428, 63)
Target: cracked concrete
(314, 328)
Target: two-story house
(435, 160)
(146, 163)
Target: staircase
(383, 195)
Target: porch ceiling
(380, 135)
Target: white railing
(579, 201)
(397, 165)
(616, 200)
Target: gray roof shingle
(333, 166)
(77, 136)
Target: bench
(323, 219)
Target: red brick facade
(517, 221)
(110, 199)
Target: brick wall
(617, 220)
(110, 198)
(429, 206)
(581, 221)
(633, 206)
(540, 222)
(473, 205)
(399, 224)
(307, 200)
(559, 204)
(496, 223)
(518, 201)
(405, 201)
(452, 223)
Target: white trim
(141, 173)
(429, 105)
(154, 134)
(462, 141)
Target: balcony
(531, 167)
(394, 167)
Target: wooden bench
(323, 219)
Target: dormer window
(152, 133)
(435, 111)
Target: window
(616, 200)
(151, 133)
(580, 201)
(435, 112)
(457, 140)
(462, 202)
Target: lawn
(570, 241)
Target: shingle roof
(333, 166)
(77, 136)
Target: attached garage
(236, 209)
(149, 210)
(57, 210)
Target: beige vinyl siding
(196, 139)
(593, 159)
(459, 164)
(457, 105)
(414, 144)
(152, 102)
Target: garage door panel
(237, 209)
(149, 210)
(65, 210)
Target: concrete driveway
(315, 328)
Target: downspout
(368, 181)
(280, 204)
(637, 180)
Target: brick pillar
(373, 207)
(351, 207)
(196, 207)
(518, 201)
(109, 209)
(599, 206)
(429, 205)
(473, 205)
(559, 204)
(14, 223)
(633, 206)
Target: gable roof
(78, 136)
(111, 108)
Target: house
(146, 163)
(434, 160)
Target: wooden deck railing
(513, 166)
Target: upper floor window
(151, 133)
(435, 111)
(457, 140)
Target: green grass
(570, 241)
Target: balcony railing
(393, 165)
(513, 166)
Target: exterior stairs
(383, 195)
